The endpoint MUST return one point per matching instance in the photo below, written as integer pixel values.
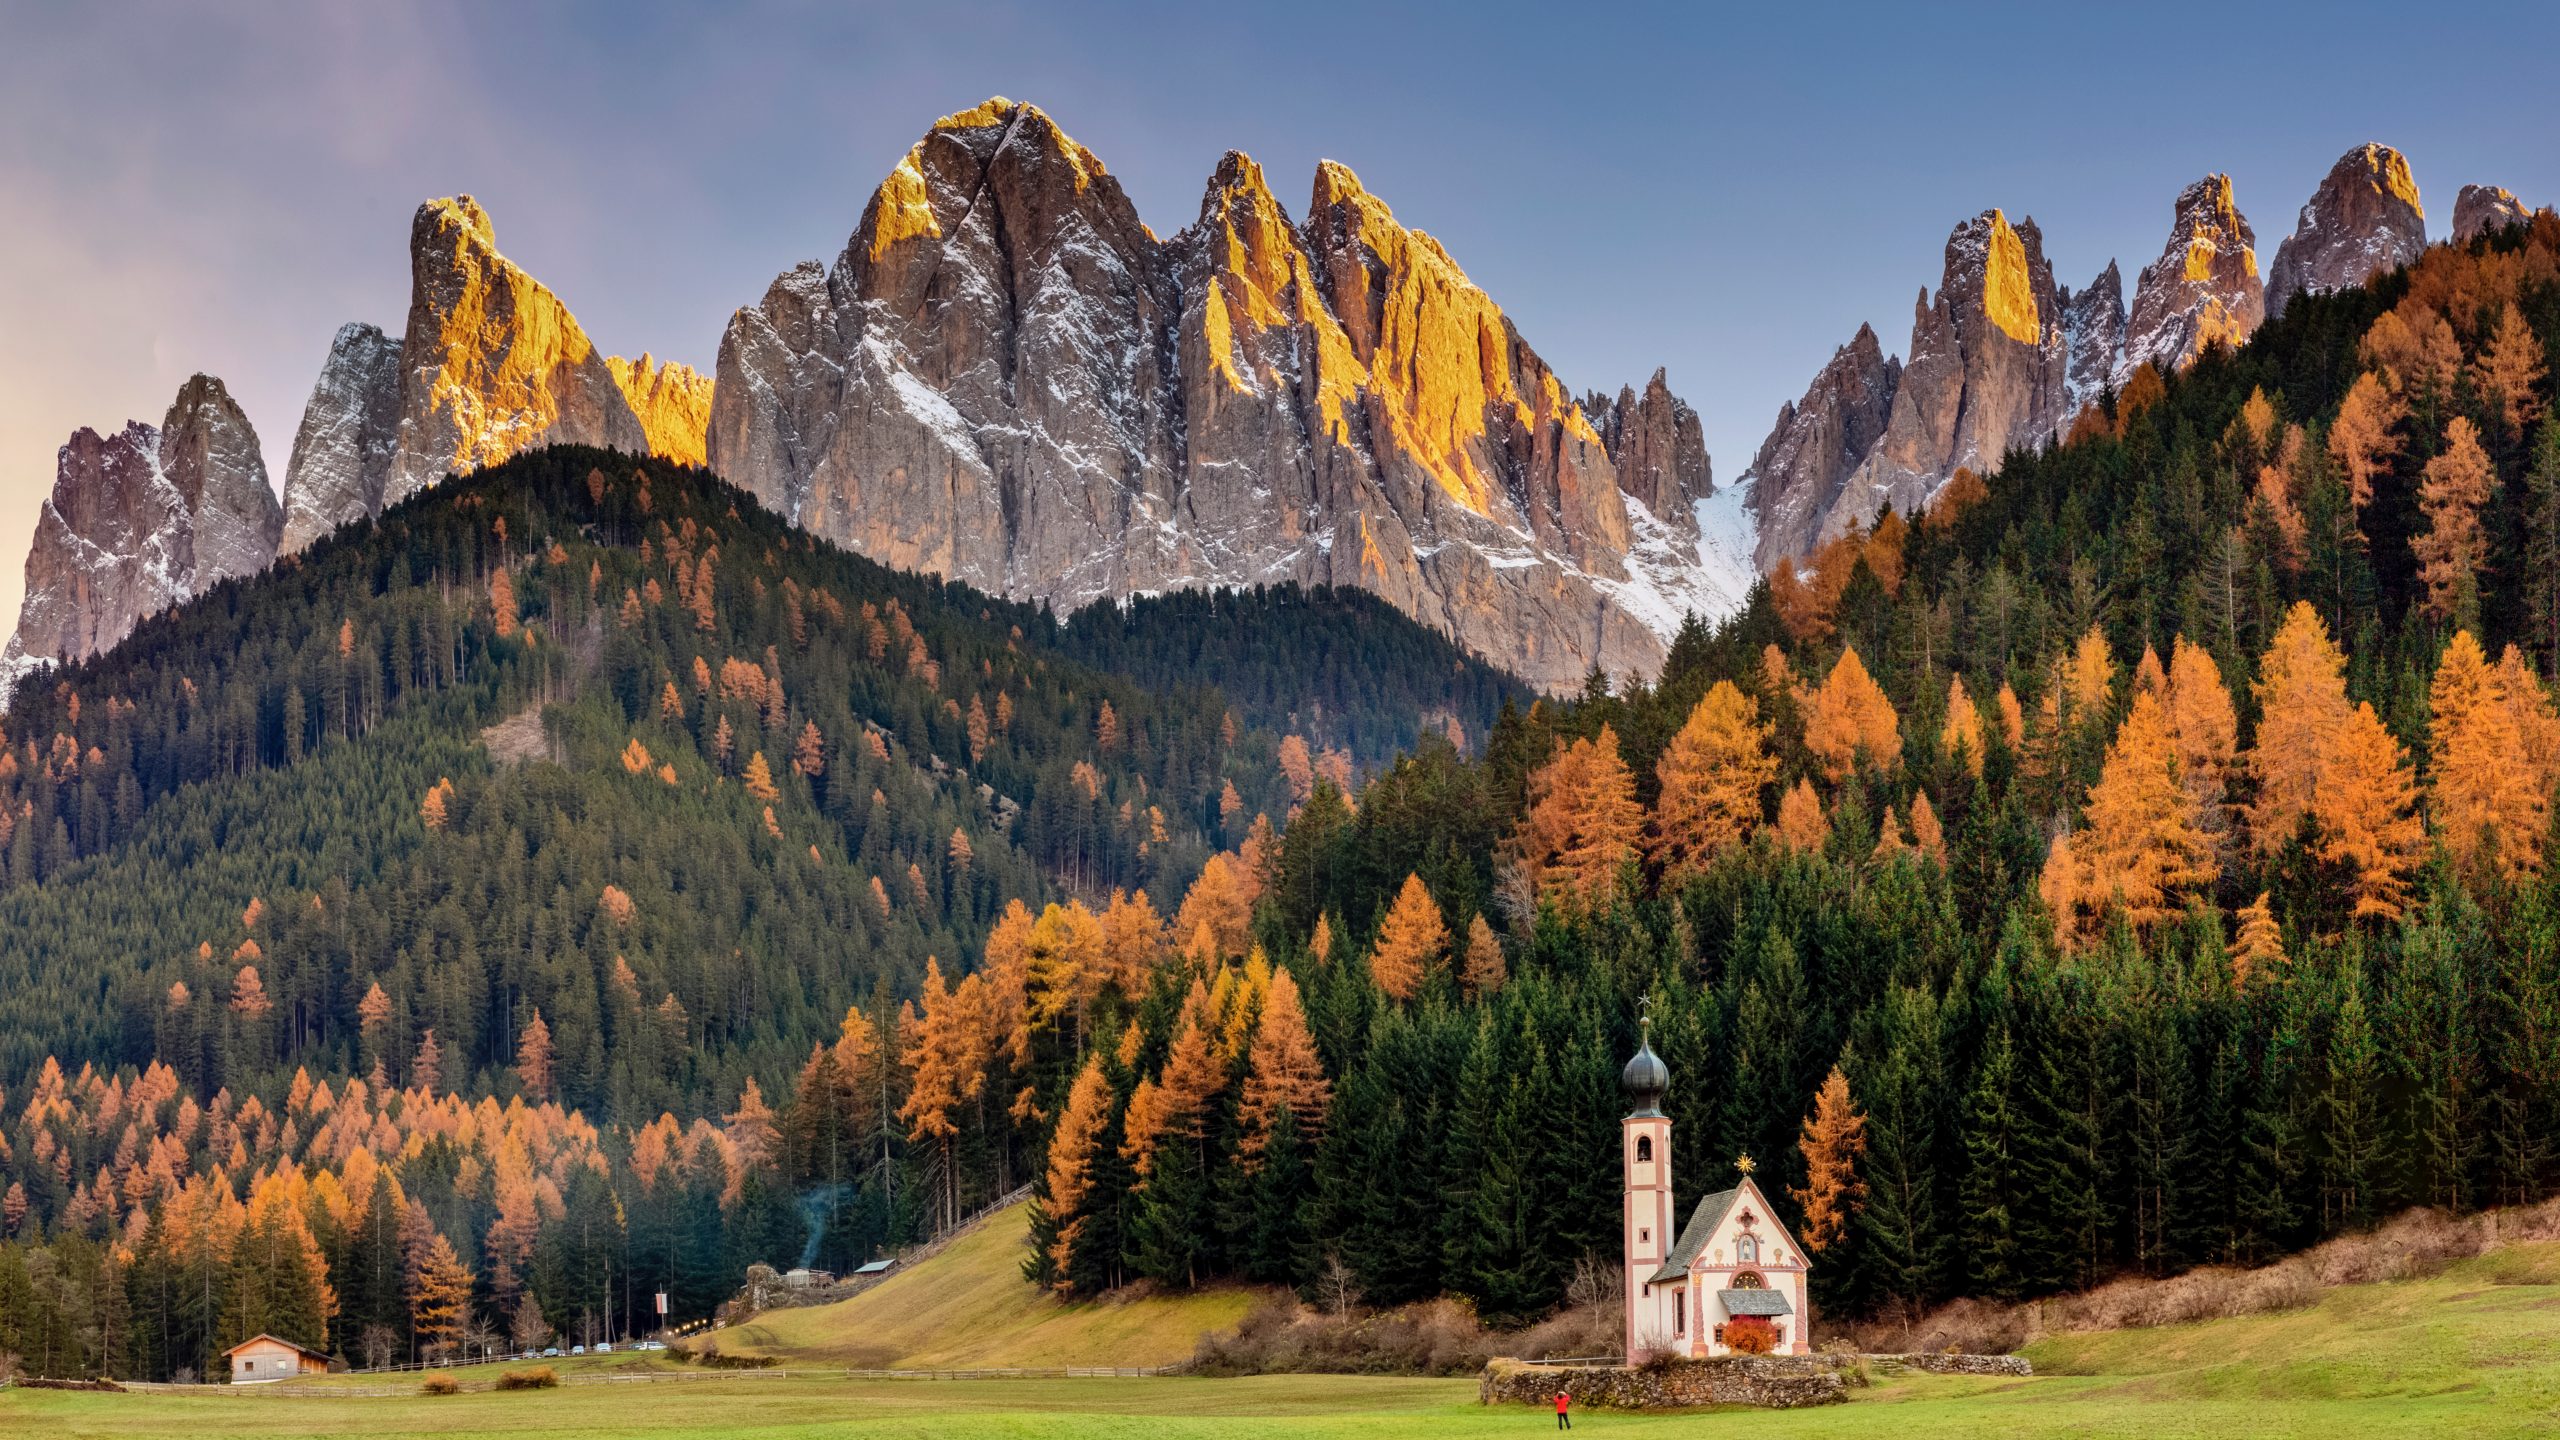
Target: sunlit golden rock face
(1007, 378)
(2364, 219)
(493, 364)
(2008, 290)
(672, 402)
(1984, 374)
(2202, 290)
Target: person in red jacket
(1564, 1409)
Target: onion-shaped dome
(1645, 1079)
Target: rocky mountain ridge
(494, 365)
(1006, 378)
(140, 520)
(2003, 359)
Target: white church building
(1732, 1269)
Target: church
(1732, 1280)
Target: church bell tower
(1644, 1144)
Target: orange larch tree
(1073, 1148)
(2458, 483)
(1849, 716)
(1712, 775)
(1411, 940)
(1285, 1072)
(1217, 903)
(1801, 826)
(2142, 844)
(2258, 950)
(1485, 969)
(2362, 439)
(2203, 730)
(2490, 802)
(1833, 1142)
(2302, 701)
(1962, 734)
(533, 1058)
(2509, 372)
(1582, 825)
(2366, 808)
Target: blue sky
(1724, 190)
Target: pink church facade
(1732, 1262)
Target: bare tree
(378, 1344)
(1337, 1287)
(1595, 1285)
(527, 1328)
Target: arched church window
(1748, 1280)
(1746, 1249)
(1644, 1147)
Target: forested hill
(2135, 860)
(732, 781)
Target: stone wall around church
(1774, 1382)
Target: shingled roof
(1693, 1236)
(1757, 1302)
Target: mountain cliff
(1817, 445)
(2003, 359)
(1986, 373)
(140, 520)
(493, 363)
(350, 431)
(671, 401)
(1006, 378)
(2481, 209)
(2364, 219)
(2204, 288)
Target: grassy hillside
(2474, 1351)
(969, 1306)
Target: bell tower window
(1644, 1148)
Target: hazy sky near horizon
(1725, 191)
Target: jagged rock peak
(2203, 289)
(1657, 443)
(672, 401)
(140, 520)
(1987, 373)
(2484, 209)
(1816, 444)
(493, 363)
(210, 454)
(1007, 379)
(2365, 218)
(350, 431)
(2093, 323)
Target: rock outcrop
(140, 520)
(1007, 379)
(493, 364)
(1657, 443)
(1817, 444)
(350, 431)
(2093, 326)
(1985, 374)
(2481, 209)
(2364, 219)
(672, 402)
(210, 456)
(2204, 288)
